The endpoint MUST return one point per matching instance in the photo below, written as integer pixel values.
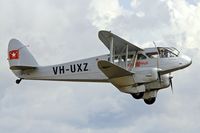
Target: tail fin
(19, 56)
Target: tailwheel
(150, 101)
(18, 81)
(138, 95)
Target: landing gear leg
(18, 81)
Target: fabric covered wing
(118, 76)
(119, 43)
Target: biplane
(133, 70)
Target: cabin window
(130, 56)
(141, 57)
(152, 55)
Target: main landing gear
(138, 95)
(150, 101)
(18, 81)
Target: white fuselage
(87, 70)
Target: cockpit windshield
(167, 52)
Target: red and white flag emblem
(14, 54)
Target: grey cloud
(152, 26)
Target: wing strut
(111, 49)
(126, 56)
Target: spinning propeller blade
(171, 83)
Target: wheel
(150, 101)
(138, 95)
(18, 81)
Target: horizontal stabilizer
(22, 67)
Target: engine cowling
(141, 77)
(164, 83)
(144, 75)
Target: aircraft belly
(88, 76)
(82, 76)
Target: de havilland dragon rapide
(131, 69)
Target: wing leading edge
(119, 43)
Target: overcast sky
(65, 30)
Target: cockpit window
(174, 50)
(167, 52)
(141, 57)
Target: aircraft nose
(186, 61)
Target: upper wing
(118, 76)
(119, 43)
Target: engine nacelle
(131, 89)
(144, 75)
(141, 76)
(149, 80)
(164, 83)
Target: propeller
(159, 76)
(170, 81)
